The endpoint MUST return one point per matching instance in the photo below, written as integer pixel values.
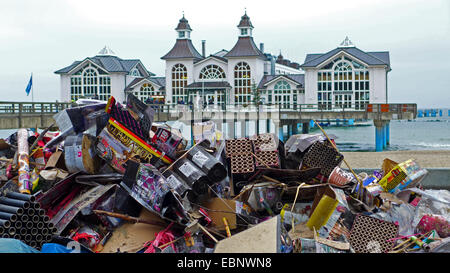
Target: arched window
(347, 78)
(146, 91)
(343, 81)
(242, 83)
(90, 82)
(212, 72)
(179, 81)
(282, 93)
(343, 77)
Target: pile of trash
(109, 179)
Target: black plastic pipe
(21, 196)
(11, 209)
(5, 223)
(8, 216)
(14, 202)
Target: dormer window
(135, 72)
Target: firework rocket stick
(23, 160)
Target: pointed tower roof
(245, 46)
(183, 24)
(106, 51)
(245, 21)
(183, 48)
(346, 43)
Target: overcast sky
(43, 36)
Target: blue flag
(30, 83)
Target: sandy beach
(426, 159)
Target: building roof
(298, 78)
(213, 56)
(370, 58)
(207, 85)
(107, 62)
(183, 48)
(245, 47)
(183, 24)
(160, 81)
(245, 21)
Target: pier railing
(374, 108)
(32, 107)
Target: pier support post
(243, 128)
(231, 130)
(295, 129)
(388, 133)
(305, 128)
(380, 135)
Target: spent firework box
(122, 139)
(405, 174)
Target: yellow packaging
(405, 174)
(322, 212)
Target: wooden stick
(259, 159)
(209, 234)
(129, 218)
(345, 161)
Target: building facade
(228, 76)
(106, 75)
(345, 77)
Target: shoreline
(425, 158)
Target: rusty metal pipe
(14, 202)
(21, 196)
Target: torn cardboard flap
(131, 237)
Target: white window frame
(242, 83)
(179, 81)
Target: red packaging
(431, 222)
